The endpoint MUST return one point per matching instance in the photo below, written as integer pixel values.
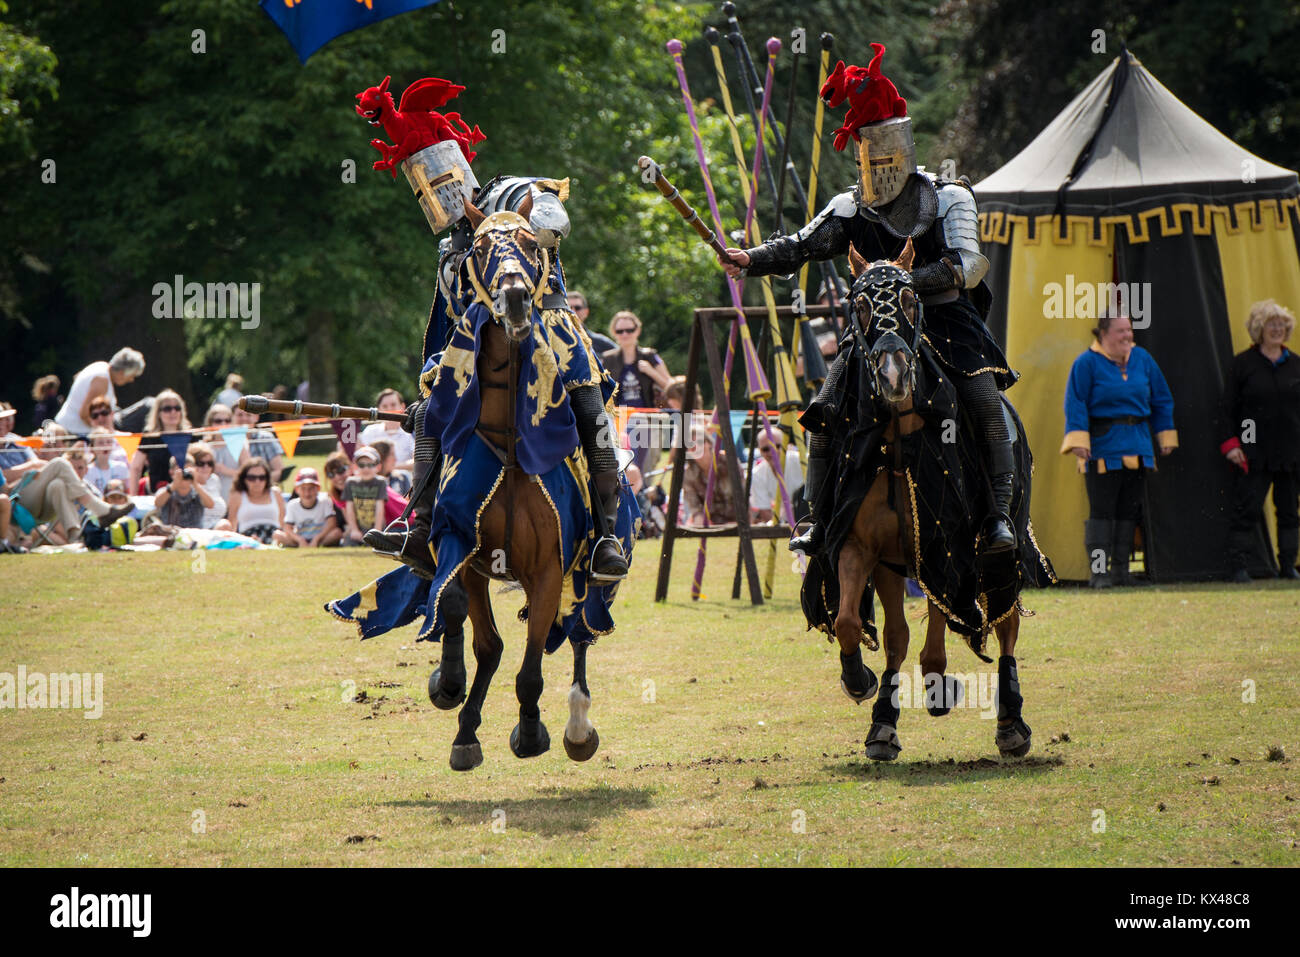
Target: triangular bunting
(178, 443)
(129, 443)
(288, 432)
(36, 442)
(350, 429)
(236, 438)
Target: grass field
(230, 734)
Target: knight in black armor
(444, 206)
(893, 201)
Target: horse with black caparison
(882, 543)
(519, 533)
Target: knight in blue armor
(579, 367)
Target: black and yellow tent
(1129, 185)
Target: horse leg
(447, 683)
(882, 740)
(466, 753)
(942, 692)
(580, 737)
(529, 737)
(858, 681)
(1013, 735)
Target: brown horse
(519, 534)
(882, 535)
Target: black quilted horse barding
(948, 495)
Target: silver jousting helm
(442, 181)
(886, 158)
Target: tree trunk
(322, 367)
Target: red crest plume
(872, 96)
(415, 123)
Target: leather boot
(411, 547)
(998, 534)
(1098, 539)
(812, 541)
(1240, 547)
(1288, 544)
(1121, 550)
(607, 561)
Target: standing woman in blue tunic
(1261, 430)
(1115, 399)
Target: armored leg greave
(979, 394)
(597, 436)
(412, 546)
(1099, 539)
(1121, 551)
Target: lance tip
(712, 35)
(674, 46)
(728, 9)
(828, 40)
(773, 46)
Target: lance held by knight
(434, 152)
(891, 203)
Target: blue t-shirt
(13, 455)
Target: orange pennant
(287, 432)
(129, 443)
(35, 442)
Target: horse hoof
(530, 749)
(466, 757)
(584, 751)
(443, 698)
(882, 742)
(953, 695)
(1014, 741)
(869, 683)
(857, 680)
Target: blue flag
(178, 443)
(310, 24)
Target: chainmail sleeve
(782, 256)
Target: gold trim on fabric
(916, 547)
(997, 226)
(1042, 558)
(487, 499)
(1167, 437)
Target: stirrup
(604, 577)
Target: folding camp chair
(23, 516)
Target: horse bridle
(881, 295)
(514, 223)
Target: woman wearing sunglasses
(167, 415)
(641, 375)
(256, 505)
(225, 465)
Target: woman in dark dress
(167, 415)
(1261, 429)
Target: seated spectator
(96, 379)
(101, 415)
(309, 520)
(764, 494)
(261, 443)
(214, 515)
(337, 469)
(45, 393)
(9, 541)
(364, 495)
(225, 464)
(256, 505)
(233, 391)
(152, 457)
(104, 467)
(651, 500)
(54, 491)
(55, 440)
(398, 479)
(699, 467)
(390, 400)
(181, 502)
